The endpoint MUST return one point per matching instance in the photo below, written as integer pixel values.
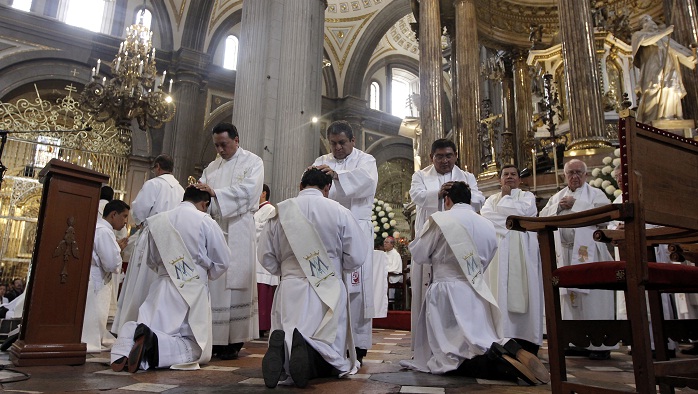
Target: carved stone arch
(162, 24)
(390, 148)
(196, 24)
(398, 61)
(26, 68)
(329, 78)
(221, 32)
(363, 51)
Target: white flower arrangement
(383, 222)
(603, 179)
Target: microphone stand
(3, 141)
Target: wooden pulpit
(55, 296)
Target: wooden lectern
(55, 296)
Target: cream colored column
(684, 17)
(582, 78)
(467, 64)
(430, 77)
(524, 109)
(279, 87)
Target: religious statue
(535, 36)
(660, 83)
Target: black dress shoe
(145, 347)
(599, 355)
(230, 352)
(273, 361)
(299, 362)
(531, 363)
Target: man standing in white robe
(428, 189)
(577, 246)
(458, 328)
(106, 260)
(234, 180)
(157, 195)
(514, 276)
(186, 248)
(310, 244)
(266, 282)
(355, 178)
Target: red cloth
(265, 297)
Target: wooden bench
(660, 185)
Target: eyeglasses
(578, 173)
(447, 156)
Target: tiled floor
(379, 374)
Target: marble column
(523, 131)
(430, 77)
(683, 14)
(184, 138)
(467, 65)
(279, 87)
(582, 77)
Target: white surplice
(165, 311)
(517, 259)
(296, 304)
(157, 195)
(355, 189)
(576, 246)
(424, 191)
(106, 260)
(266, 210)
(237, 183)
(380, 283)
(455, 322)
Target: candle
(533, 156)
(99, 63)
(170, 91)
(140, 67)
(118, 62)
(93, 72)
(557, 179)
(162, 82)
(104, 81)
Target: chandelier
(134, 91)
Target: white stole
(183, 272)
(316, 264)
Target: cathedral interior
(510, 81)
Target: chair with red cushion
(660, 182)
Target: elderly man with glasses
(577, 246)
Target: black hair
(117, 206)
(106, 193)
(165, 162)
(315, 177)
(443, 143)
(265, 188)
(504, 167)
(459, 193)
(194, 195)
(224, 127)
(339, 127)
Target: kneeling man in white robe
(187, 248)
(311, 243)
(458, 329)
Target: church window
(230, 54)
(144, 16)
(375, 96)
(87, 14)
(404, 87)
(22, 5)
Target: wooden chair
(660, 184)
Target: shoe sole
(530, 361)
(135, 356)
(299, 362)
(273, 362)
(522, 371)
(119, 365)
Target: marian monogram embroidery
(472, 267)
(318, 268)
(184, 271)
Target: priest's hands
(208, 189)
(445, 188)
(566, 203)
(327, 170)
(506, 190)
(122, 242)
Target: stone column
(467, 65)
(523, 133)
(430, 77)
(279, 87)
(683, 14)
(582, 77)
(184, 138)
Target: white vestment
(106, 260)
(424, 191)
(157, 195)
(355, 189)
(238, 184)
(455, 321)
(296, 304)
(576, 246)
(380, 283)
(266, 210)
(165, 311)
(515, 273)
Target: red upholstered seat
(610, 275)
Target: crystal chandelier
(134, 91)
